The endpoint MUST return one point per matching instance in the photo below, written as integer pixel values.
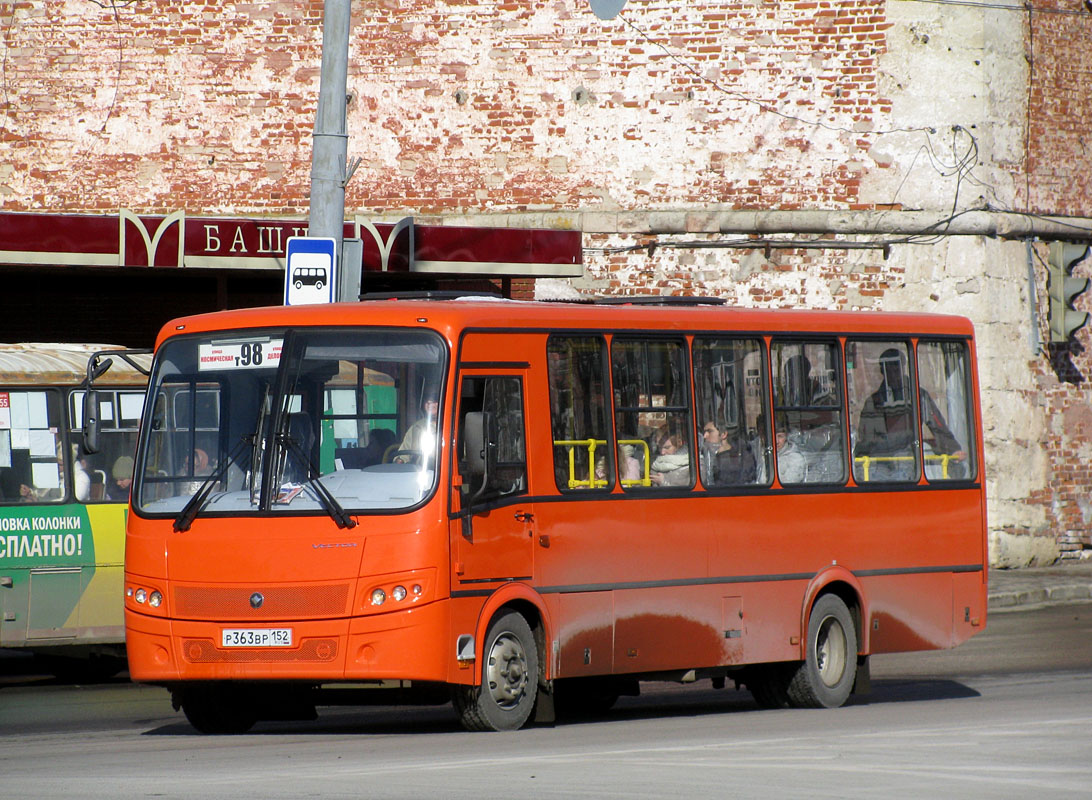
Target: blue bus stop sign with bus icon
(309, 275)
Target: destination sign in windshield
(241, 354)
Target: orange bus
(517, 506)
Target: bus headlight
(147, 596)
(398, 591)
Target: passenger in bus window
(201, 469)
(81, 478)
(792, 467)
(801, 389)
(758, 449)
(122, 478)
(730, 461)
(885, 429)
(599, 477)
(631, 466)
(672, 466)
(421, 435)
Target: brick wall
(456, 106)
(1059, 181)
(487, 109)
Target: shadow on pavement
(675, 702)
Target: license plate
(256, 637)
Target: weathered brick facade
(538, 113)
(1059, 181)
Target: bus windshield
(292, 421)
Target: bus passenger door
(495, 527)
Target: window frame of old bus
(57, 400)
(76, 402)
(67, 400)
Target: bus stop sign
(309, 273)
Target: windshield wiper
(336, 511)
(201, 496)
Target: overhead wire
(1002, 6)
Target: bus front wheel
(826, 677)
(217, 708)
(509, 679)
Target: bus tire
(509, 679)
(218, 709)
(826, 677)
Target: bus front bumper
(414, 644)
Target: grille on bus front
(205, 651)
(278, 602)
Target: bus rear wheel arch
(826, 676)
(510, 675)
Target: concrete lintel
(704, 221)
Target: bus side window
(578, 412)
(119, 417)
(946, 417)
(881, 412)
(652, 410)
(33, 461)
(729, 381)
(808, 412)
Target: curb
(1051, 594)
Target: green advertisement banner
(46, 536)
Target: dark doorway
(121, 306)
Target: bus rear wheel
(217, 708)
(509, 680)
(826, 677)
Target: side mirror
(96, 367)
(90, 421)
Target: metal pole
(330, 143)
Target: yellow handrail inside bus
(943, 458)
(598, 483)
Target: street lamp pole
(330, 139)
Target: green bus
(63, 507)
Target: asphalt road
(1008, 714)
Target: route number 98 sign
(242, 354)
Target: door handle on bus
(524, 516)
